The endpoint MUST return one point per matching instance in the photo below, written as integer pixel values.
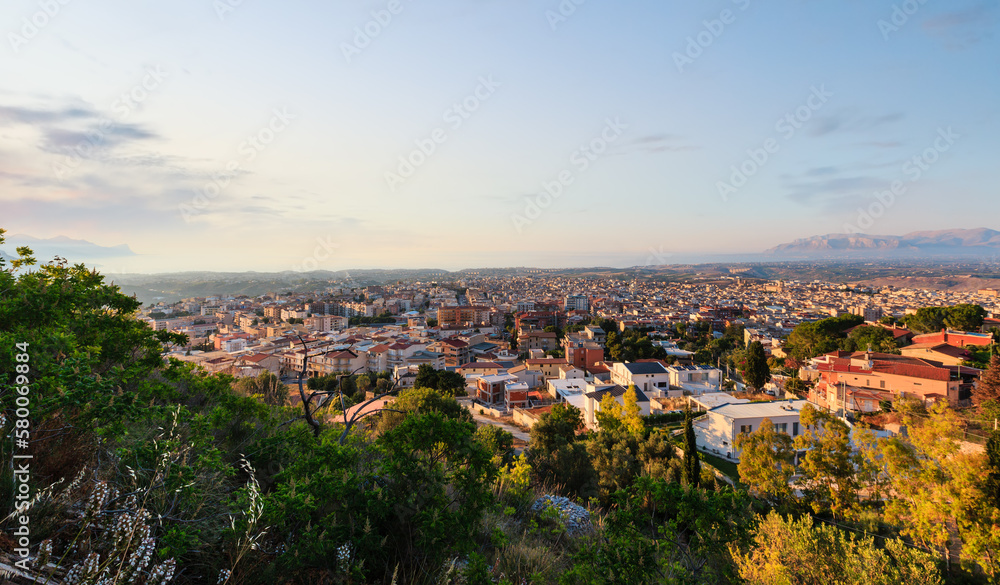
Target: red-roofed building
(267, 361)
(456, 351)
(956, 338)
(858, 381)
(942, 353)
(481, 369)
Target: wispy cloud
(961, 29)
(850, 120)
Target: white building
(716, 432)
(647, 376)
(696, 379)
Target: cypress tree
(691, 474)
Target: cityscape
(566, 292)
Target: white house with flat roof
(716, 432)
(709, 400)
(646, 376)
(696, 379)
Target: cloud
(962, 29)
(22, 115)
(849, 120)
(60, 140)
(831, 192)
(661, 142)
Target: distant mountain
(72, 250)
(956, 242)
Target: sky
(295, 135)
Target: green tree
(405, 502)
(829, 463)
(692, 462)
(965, 317)
(556, 457)
(421, 401)
(498, 442)
(792, 551)
(809, 340)
(927, 320)
(766, 462)
(267, 386)
(879, 339)
(426, 377)
(756, 373)
(664, 532)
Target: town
(525, 343)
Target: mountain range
(926, 244)
(46, 249)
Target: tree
(926, 320)
(627, 415)
(267, 386)
(556, 457)
(965, 317)
(426, 377)
(879, 339)
(829, 463)
(756, 372)
(795, 551)
(692, 462)
(498, 442)
(766, 462)
(809, 340)
(421, 401)
(988, 387)
(405, 502)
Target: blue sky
(253, 135)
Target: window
(781, 428)
(881, 384)
(746, 429)
(795, 429)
